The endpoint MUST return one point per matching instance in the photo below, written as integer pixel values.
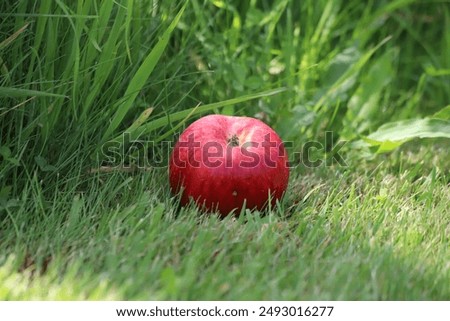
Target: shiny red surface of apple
(223, 162)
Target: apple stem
(233, 141)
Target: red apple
(223, 162)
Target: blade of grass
(106, 59)
(163, 121)
(39, 33)
(174, 129)
(97, 31)
(127, 27)
(19, 92)
(141, 119)
(444, 113)
(141, 76)
(11, 38)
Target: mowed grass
(75, 76)
(340, 234)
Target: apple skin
(223, 162)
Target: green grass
(73, 77)
(377, 233)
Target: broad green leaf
(384, 146)
(5, 151)
(141, 76)
(444, 113)
(392, 135)
(437, 72)
(44, 165)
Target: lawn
(369, 82)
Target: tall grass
(91, 68)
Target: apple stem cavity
(233, 141)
